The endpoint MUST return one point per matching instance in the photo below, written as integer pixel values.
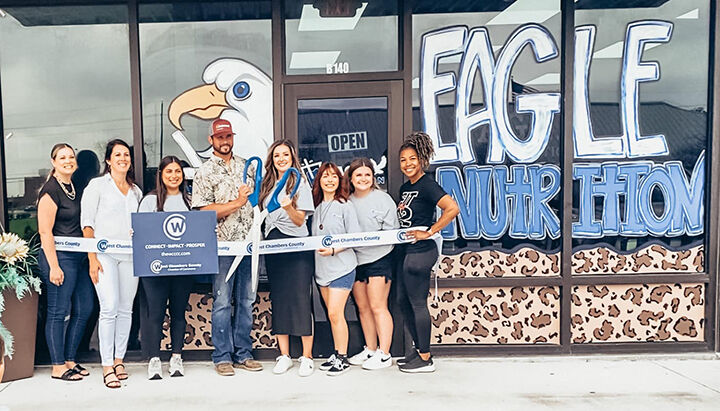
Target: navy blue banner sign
(174, 243)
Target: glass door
(339, 122)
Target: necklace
(323, 215)
(70, 194)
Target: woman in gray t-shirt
(334, 266)
(376, 211)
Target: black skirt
(291, 281)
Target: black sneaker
(341, 366)
(417, 365)
(413, 354)
(329, 363)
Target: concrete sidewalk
(683, 382)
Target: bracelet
(333, 250)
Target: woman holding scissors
(418, 199)
(376, 211)
(290, 274)
(65, 273)
(170, 195)
(106, 205)
(334, 266)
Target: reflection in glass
(671, 105)
(342, 129)
(201, 61)
(460, 97)
(340, 36)
(65, 78)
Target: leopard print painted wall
(496, 315)
(630, 313)
(525, 262)
(198, 335)
(653, 258)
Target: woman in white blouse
(105, 211)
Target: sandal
(79, 369)
(120, 375)
(112, 383)
(68, 376)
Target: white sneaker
(307, 367)
(282, 364)
(361, 357)
(378, 361)
(154, 369)
(176, 366)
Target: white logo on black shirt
(405, 213)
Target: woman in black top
(418, 199)
(65, 273)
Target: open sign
(356, 140)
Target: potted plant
(19, 289)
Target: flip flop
(111, 384)
(120, 375)
(68, 376)
(80, 370)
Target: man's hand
(243, 194)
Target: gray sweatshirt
(335, 218)
(376, 211)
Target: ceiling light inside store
(310, 20)
(615, 51)
(690, 15)
(526, 11)
(8, 135)
(313, 59)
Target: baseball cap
(220, 127)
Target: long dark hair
(160, 190)
(130, 176)
(271, 174)
(53, 153)
(354, 165)
(422, 144)
(341, 193)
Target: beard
(223, 149)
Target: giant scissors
(259, 215)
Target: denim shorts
(345, 282)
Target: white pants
(116, 289)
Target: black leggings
(413, 289)
(157, 292)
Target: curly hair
(423, 146)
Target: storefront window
(65, 78)
(641, 131)
(486, 88)
(340, 36)
(201, 61)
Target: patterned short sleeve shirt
(218, 182)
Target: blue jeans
(73, 297)
(231, 327)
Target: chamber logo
(402, 235)
(249, 248)
(102, 245)
(156, 266)
(327, 241)
(174, 226)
